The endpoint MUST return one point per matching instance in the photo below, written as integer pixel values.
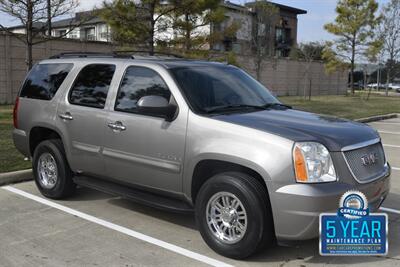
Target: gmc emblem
(369, 159)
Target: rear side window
(44, 80)
(139, 82)
(91, 86)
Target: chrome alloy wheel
(47, 171)
(226, 217)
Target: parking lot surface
(95, 229)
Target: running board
(136, 195)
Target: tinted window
(138, 82)
(207, 87)
(91, 86)
(44, 80)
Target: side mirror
(155, 105)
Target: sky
(310, 25)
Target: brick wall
(285, 78)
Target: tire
(259, 231)
(51, 154)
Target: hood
(334, 133)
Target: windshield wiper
(272, 105)
(233, 107)
(244, 106)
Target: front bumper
(296, 207)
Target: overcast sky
(310, 26)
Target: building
(87, 27)
(284, 32)
(84, 26)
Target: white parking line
(121, 229)
(396, 168)
(392, 123)
(391, 146)
(390, 210)
(385, 132)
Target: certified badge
(353, 230)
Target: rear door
(147, 150)
(82, 117)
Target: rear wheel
(53, 176)
(233, 215)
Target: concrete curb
(15, 177)
(378, 118)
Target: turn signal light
(300, 165)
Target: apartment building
(88, 27)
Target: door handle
(116, 126)
(66, 116)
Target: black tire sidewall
(253, 205)
(50, 146)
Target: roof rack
(147, 53)
(86, 55)
(117, 54)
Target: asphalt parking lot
(95, 229)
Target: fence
(295, 78)
(286, 77)
(12, 60)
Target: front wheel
(233, 215)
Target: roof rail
(146, 53)
(87, 54)
(117, 54)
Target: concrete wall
(12, 60)
(285, 78)
(290, 78)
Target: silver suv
(193, 136)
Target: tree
(137, 22)
(263, 37)
(390, 34)
(354, 26)
(32, 13)
(191, 16)
(311, 51)
(307, 53)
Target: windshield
(215, 89)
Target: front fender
(209, 139)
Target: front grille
(366, 172)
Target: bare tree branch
(31, 13)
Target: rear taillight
(15, 113)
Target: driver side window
(136, 83)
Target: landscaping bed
(350, 107)
(10, 158)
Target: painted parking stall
(93, 228)
(119, 228)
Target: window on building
(91, 86)
(74, 34)
(279, 35)
(44, 80)
(103, 32)
(90, 34)
(282, 35)
(60, 33)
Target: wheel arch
(205, 168)
(43, 132)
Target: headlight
(313, 163)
